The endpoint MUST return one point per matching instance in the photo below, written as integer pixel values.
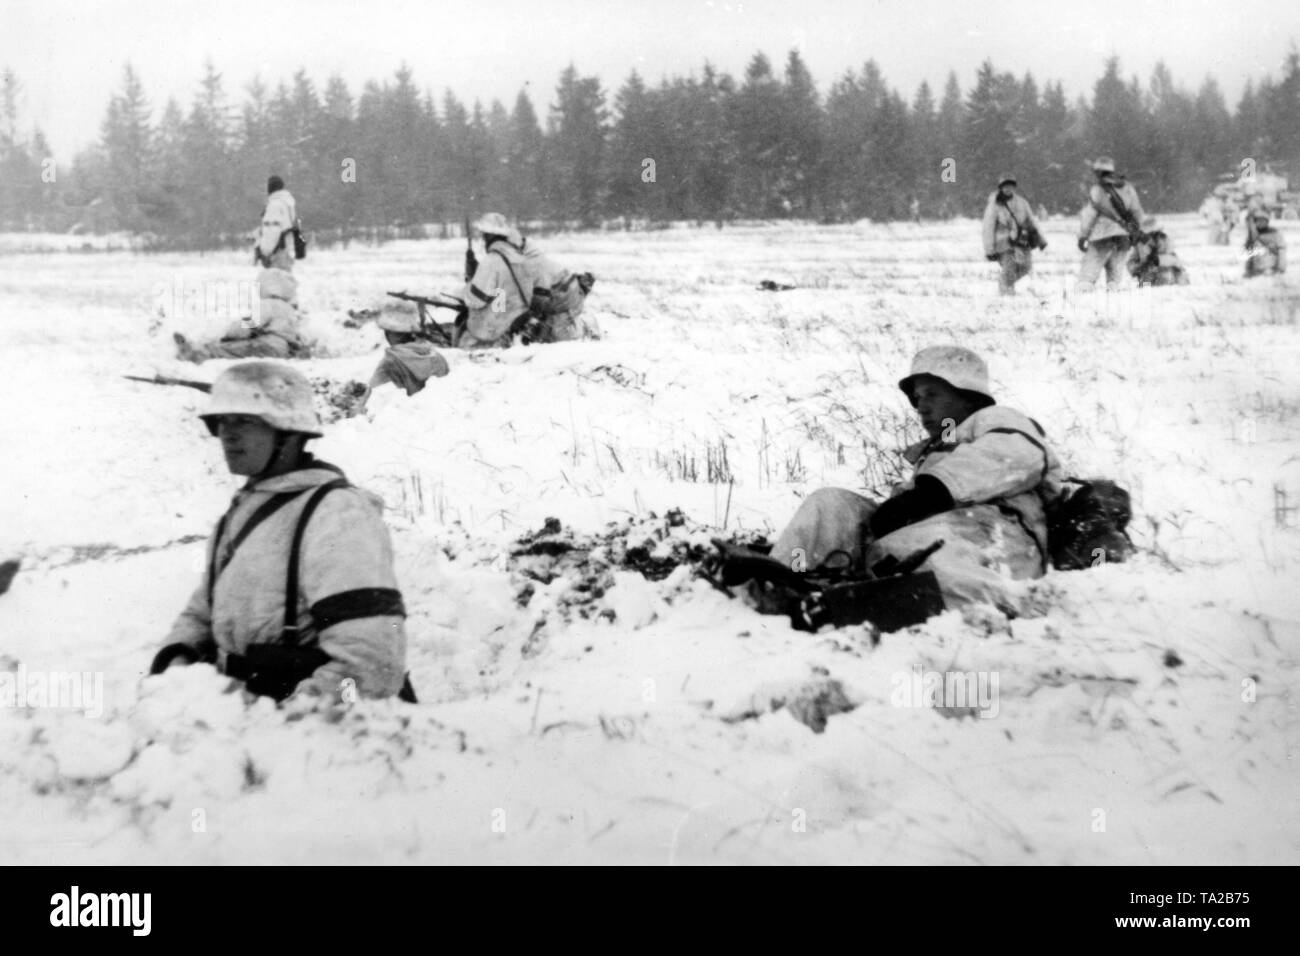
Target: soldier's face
(939, 405)
(248, 443)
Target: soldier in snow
(273, 332)
(979, 483)
(299, 593)
(273, 246)
(1010, 234)
(1265, 248)
(410, 359)
(517, 289)
(1153, 260)
(1108, 222)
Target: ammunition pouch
(274, 670)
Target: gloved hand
(172, 653)
(1083, 244)
(928, 496)
(471, 264)
(992, 257)
(1042, 244)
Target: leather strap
(289, 635)
(219, 564)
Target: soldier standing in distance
(1108, 221)
(1010, 234)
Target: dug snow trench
(585, 697)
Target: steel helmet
(495, 224)
(1260, 215)
(961, 368)
(1003, 180)
(399, 322)
(276, 394)
(1103, 164)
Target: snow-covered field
(1144, 713)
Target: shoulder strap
(1020, 227)
(290, 632)
(219, 563)
(1125, 215)
(524, 297)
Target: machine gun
(438, 300)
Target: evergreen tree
(16, 170)
(755, 117)
(498, 158)
(127, 140)
(455, 160)
(1059, 148)
(949, 140)
(168, 172)
(577, 145)
(1213, 144)
(802, 140)
(525, 160)
(713, 154)
(206, 147)
(1282, 114)
(924, 155)
(338, 203)
(990, 135)
(1117, 125)
(631, 141)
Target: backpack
(567, 295)
(1086, 527)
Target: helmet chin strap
(277, 449)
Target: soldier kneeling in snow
(410, 359)
(979, 484)
(299, 593)
(1265, 248)
(1153, 260)
(271, 333)
(518, 289)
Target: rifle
(423, 303)
(168, 380)
(1125, 219)
(471, 262)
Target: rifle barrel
(168, 380)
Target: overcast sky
(69, 54)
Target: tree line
(706, 147)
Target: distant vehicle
(1268, 189)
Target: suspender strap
(217, 564)
(290, 633)
(526, 299)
